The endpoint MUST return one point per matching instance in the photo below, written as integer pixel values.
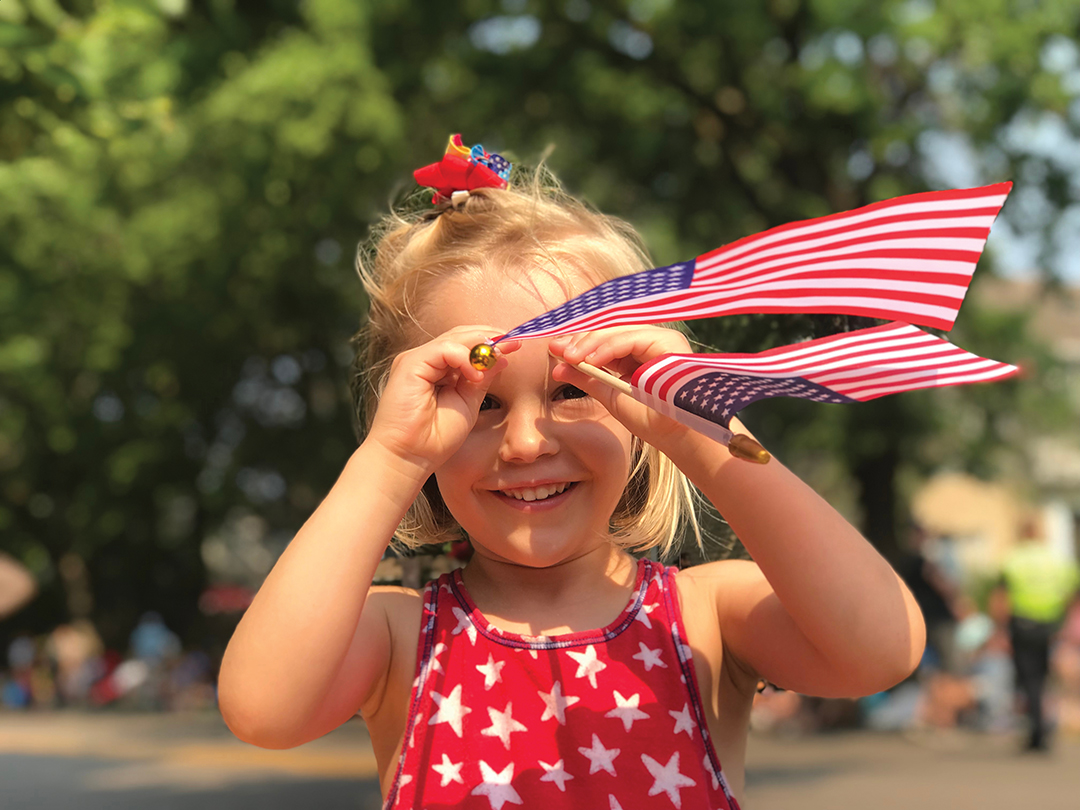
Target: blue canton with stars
(719, 395)
(620, 290)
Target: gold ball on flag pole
(482, 357)
(742, 446)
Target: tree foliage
(182, 185)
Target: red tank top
(605, 719)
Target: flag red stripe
(908, 206)
(863, 364)
(902, 228)
(911, 259)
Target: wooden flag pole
(738, 444)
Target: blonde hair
(535, 224)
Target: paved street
(171, 762)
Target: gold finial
(482, 356)
(742, 446)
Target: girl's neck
(584, 593)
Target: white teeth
(536, 493)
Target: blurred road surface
(177, 762)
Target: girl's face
(537, 479)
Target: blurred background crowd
(183, 184)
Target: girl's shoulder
(400, 610)
(715, 597)
(721, 582)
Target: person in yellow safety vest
(1040, 583)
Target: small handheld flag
(853, 367)
(908, 259)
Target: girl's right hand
(433, 396)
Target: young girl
(555, 670)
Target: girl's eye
(487, 403)
(571, 392)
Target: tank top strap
(424, 653)
(670, 597)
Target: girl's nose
(528, 435)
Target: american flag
(910, 259)
(852, 367)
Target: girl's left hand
(621, 350)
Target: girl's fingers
(602, 347)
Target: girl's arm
(819, 611)
(316, 642)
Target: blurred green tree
(182, 183)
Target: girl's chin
(537, 552)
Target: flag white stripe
(890, 376)
(912, 209)
(858, 266)
(814, 353)
(860, 360)
(769, 259)
(690, 308)
(954, 359)
(939, 383)
(899, 357)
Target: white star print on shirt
(626, 709)
(450, 709)
(449, 771)
(600, 758)
(496, 786)
(613, 803)
(588, 665)
(555, 773)
(668, 779)
(683, 720)
(464, 623)
(650, 658)
(502, 725)
(643, 614)
(712, 772)
(491, 671)
(438, 650)
(556, 703)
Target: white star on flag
(683, 720)
(491, 671)
(556, 703)
(650, 658)
(600, 758)
(626, 709)
(496, 786)
(643, 614)
(668, 779)
(502, 725)
(555, 773)
(449, 771)
(464, 623)
(588, 665)
(450, 709)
